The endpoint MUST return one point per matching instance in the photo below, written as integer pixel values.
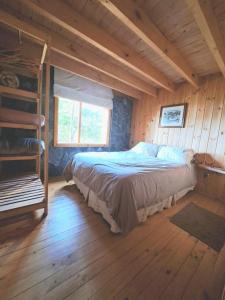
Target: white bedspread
(127, 181)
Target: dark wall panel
(119, 135)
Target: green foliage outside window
(89, 120)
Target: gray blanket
(26, 146)
(127, 181)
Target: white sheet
(99, 206)
(128, 182)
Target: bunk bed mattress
(128, 183)
(21, 117)
(27, 146)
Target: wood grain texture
(72, 49)
(75, 67)
(72, 255)
(17, 125)
(94, 35)
(135, 18)
(206, 20)
(211, 184)
(19, 157)
(20, 195)
(204, 131)
(46, 130)
(171, 17)
(18, 94)
(14, 198)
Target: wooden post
(38, 160)
(46, 132)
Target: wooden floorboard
(72, 254)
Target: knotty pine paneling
(204, 131)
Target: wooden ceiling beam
(60, 13)
(45, 48)
(27, 28)
(87, 72)
(26, 49)
(132, 16)
(207, 23)
(75, 51)
(79, 53)
(35, 52)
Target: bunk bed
(26, 192)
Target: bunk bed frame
(27, 192)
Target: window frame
(77, 145)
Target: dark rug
(202, 224)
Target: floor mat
(202, 224)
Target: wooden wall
(204, 131)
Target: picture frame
(173, 116)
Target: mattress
(128, 182)
(21, 117)
(26, 146)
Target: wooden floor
(72, 255)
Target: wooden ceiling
(132, 46)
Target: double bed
(126, 187)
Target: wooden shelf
(212, 169)
(18, 94)
(18, 157)
(21, 194)
(17, 125)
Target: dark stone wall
(119, 134)
(12, 167)
(58, 157)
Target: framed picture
(173, 116)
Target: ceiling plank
(26, 49)
(207, 23)
(87, 72)
(74, 50)
(132, 16)
(93, 34)
(15, 22)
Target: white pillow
(189, 155)
(177, 155)
(146, 149)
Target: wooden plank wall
(204, 131)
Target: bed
(126, 187)
(21, 146)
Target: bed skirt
(99, 206)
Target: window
(80, 124)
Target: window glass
(81, 123)
(68, 121)
(94, 124)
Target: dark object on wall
(173, 116)
(202, 224)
